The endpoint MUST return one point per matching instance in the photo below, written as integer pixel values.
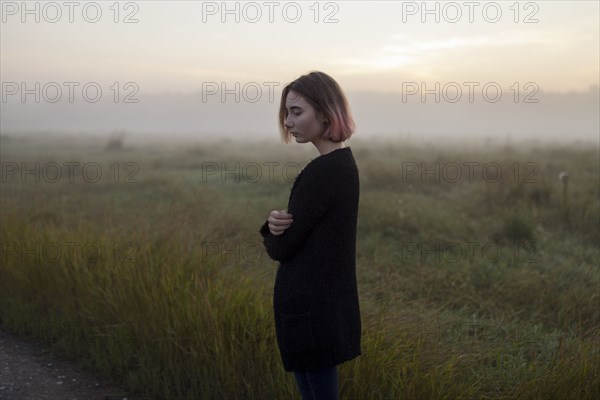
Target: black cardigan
(315, 297)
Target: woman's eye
(296, 114)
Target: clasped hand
(279, 221)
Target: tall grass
(161, 285)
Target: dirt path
(30, 371)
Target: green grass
(163, 284)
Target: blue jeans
(320, 384)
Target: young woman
(315, 298)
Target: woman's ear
(321, 116)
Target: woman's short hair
(327, 98)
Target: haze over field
(206, 69)
(557, 117)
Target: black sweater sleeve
(310, 198)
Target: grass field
(147, 265)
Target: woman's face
(302, 120)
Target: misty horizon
(559, 117)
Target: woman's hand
(279, 221)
